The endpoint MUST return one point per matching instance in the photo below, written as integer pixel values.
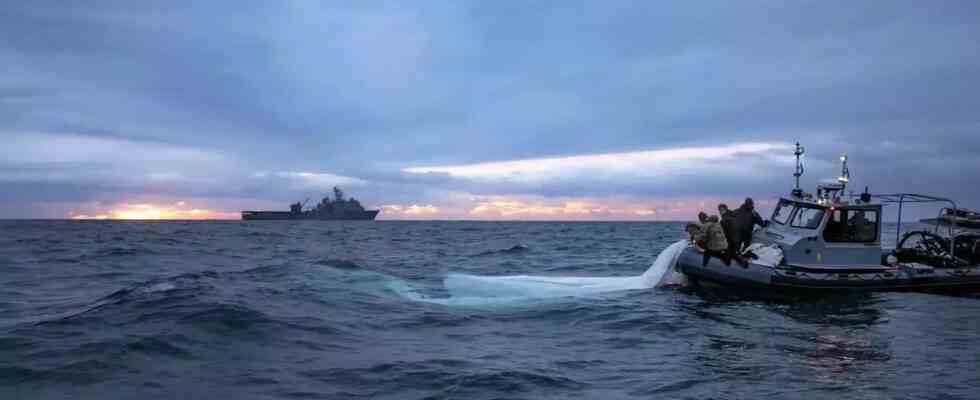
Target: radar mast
(799, 169)
(845, 174)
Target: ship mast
(845, 174)
(799, 170)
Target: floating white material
(465, 289)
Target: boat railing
(902, 198)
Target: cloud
(305, 180)
(101, 162)
(111, 101)
(73, 167)
(470, 206)
(726, 169)
(640, 164)
(412, 209)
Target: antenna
(845, 174)
(799, 169)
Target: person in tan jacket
(715, 243)
(697, 233)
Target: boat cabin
(826, 233)
(830, 231)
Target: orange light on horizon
(85, 216)
(145, 211)
(536, 208)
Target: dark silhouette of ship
(336, 209)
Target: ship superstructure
(338, 208)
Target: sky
(563, 110)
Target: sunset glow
(144, 211)
(565, 209)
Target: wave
(338, 263)
(448, 377)
(186, 301)
(85, 372)
(120, 251)
(476, 290)
(515, 249)
(134, 302)
(228, 320)
(182, 281)
(158, 346)
(262, 234)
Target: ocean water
(440, 310)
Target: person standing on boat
(716, 245)
(697, 233)
(728, 225)
(743, 221)
(731, 234)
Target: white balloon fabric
(467, 289)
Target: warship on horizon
(336, 209)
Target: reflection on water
(825, 342)
(843, 340)
(844, 310)
(837, 353)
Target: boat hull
(286, 215)
(807, 279)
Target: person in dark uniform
(728, 225)
(744, 219)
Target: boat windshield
(807, 217)
(782, 212)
